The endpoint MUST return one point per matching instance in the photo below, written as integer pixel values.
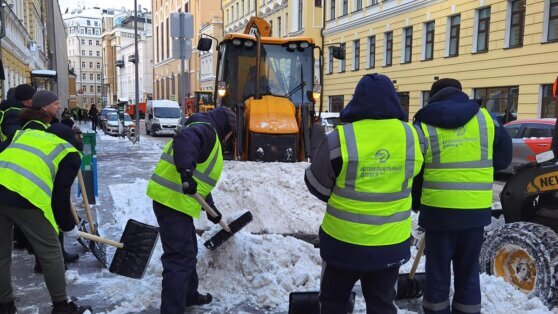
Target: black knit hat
(443, 83)
(24, 92)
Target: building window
(83, 76)
(425, 97)
(249, 11)
(548, 105)
(90, 43)
(83, 41)
(388, 50)
(91, 65)
(345, 7)
(404, 101)
(330, 61)
(98, 65)
(279, 26)
(373, 2)
(83, 52)
(408, 45)
(242, 7)
(371, 52)
(91, 90)
(99, 90)
(88, 23)
(83, 64)
(91, 76)
(168, 39)
(429, 41)
(97, 43)
(98, 76)
(300, 7)
(90, 53)
(358, 5)
(455, 23)
(356, 54)
(553, 20)
(342, 63)
(318, 3)
(98, 53)
(501, 101)
(517, 23)
(332, 9)
(483, 29)
(336, 103)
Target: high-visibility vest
(458, 169)
(28, 166)
(3, 136)
(165, 185)
(370, 204)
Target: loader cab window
(284, 71)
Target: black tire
(525, 255)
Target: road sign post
(182, 32)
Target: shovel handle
(418, 256)
(95, 238)
(208, 208)
(86, 203)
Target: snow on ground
(258, 266)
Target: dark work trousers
(462, 247)
(180, 247)
(378, 288)
(94, 124)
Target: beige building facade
(167, 70)
(504, 52)
(208, 59)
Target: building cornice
(354, 20)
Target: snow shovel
(98, 249)
(309, 303)
(134, 250)
(228, 230)
(411, 285)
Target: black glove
(189, 185)
(214, 220)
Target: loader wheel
(525, 255)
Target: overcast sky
(104, 4)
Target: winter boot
(8, 308)
(199, 299)
(66, 307)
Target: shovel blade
(139, 241)
(222, 236)
(410, 288)
(309, 303)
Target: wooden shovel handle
(210, 210)
(418, 256)
(95, 238)
(86, 203)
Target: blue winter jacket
(374, 98)
(450, 108)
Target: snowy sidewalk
(253, 272)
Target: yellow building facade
(504, 52)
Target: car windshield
(167, 112)
(114, 117)
(284, 72)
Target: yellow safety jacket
(165, 185)
(370, 204)
(3, 136)
(29, 164)
(458, 169)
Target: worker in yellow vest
(465, 145)
(37, 169)
(194, 157)
(364, 170)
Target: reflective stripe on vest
(370, 204)
(165, 185)
(29, 164)
(458, 165)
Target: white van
(162, 117)
(329, 120)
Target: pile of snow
(259, 266)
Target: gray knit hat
(43, 98)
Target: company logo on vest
(460, 130)
(382, 155)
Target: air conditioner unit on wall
(32, 46)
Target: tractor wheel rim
(516, 266)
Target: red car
(529, 137)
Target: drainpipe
(322, 61)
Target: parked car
(329, 120)
(529, 137)
(103, 117)
(112, 125)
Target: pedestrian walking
(37, 169)
(465, 146)
(194, 157)
(94, 117)
(364, 171)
